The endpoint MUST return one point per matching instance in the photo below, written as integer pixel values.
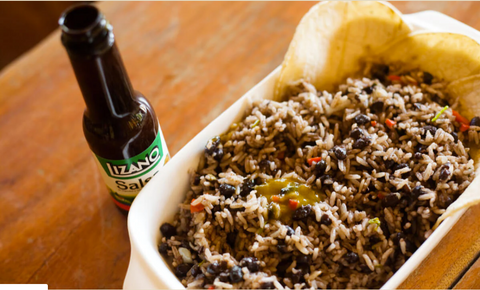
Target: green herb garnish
(439, 113)
(376, 222)
(255, 124)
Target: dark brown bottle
(119, 123)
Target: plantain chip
(333, 39)
(447, 56)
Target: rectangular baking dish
(158, 201)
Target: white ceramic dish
(157, 202)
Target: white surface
(158, 201)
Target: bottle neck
(96, 61)
(105, 85)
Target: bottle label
(125, 178)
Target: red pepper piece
(390, 123)
(314, 159)
(464, 127)
(196, 208)
(394, 78)
(293, 204)
(459, 118)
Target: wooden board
(192, 60)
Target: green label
(135, 166)
(125, 178)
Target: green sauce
(285, 195)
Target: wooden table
(58, 224)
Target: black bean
(417, 191)
(429, 128)
(427, 78)
(185, 244)
(325, 177)
(227, 190)
(290, 231)
(282, 248)
(401, 132)
(362, 119)
(283, 266)
(401, 166)
(236, 274)
(291, 147)
(421, 148)
(369, 89)
(444, 172)
(320, 167)
(196, 181)
(391, 200)
(356, 133)
(440, 101)
(201, 276)
(389, 163)
(432, 184)
(218, 154)
(340, 152)
(223, 265)
(247, 187)
(371, 187)
(214, 144)
(267, 285)
(381, 179)
(365, 269)
(302, 212)
(195, 271)
(390, 260)
(361, 143)
(418, 156)
(168, 230)
(406, 189)
(455, 137)
(444, 201)
(214, 268)
(325, 220)
(182, 270)
(231, 238)
(224, 277)
(264, 165)
(377, 107)
(296, 277)
(374, 240)
(351, 257)
(310, 143)
(403, 203)
(380, 71)
(251, 263)
(396, 237)
(163, 248)
(475, 121)
(410, 246)
(303, 259)
(285, 190)
(216, 208)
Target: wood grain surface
(192, 60)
